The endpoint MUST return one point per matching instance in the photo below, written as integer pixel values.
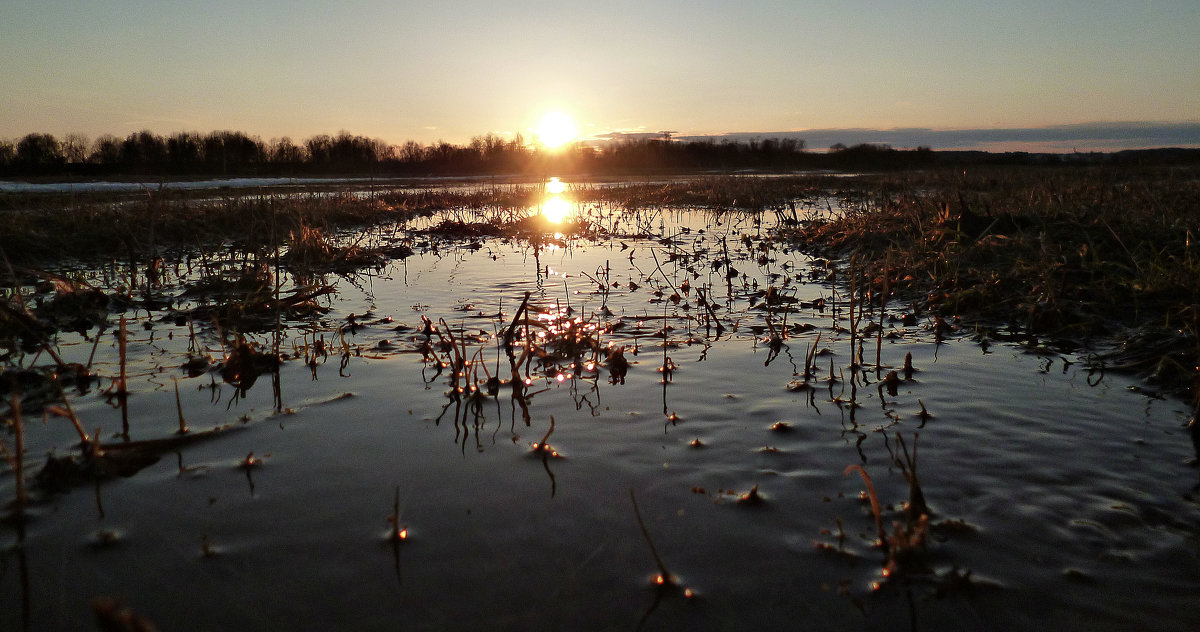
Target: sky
(450, 70)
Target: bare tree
(411, 152)
(283, 151)
(75, 148)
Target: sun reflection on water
(556, 208)
(555, 186)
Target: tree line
(231, 153)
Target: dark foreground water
(1059, 498)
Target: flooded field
(594, 419)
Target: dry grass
(1074, 254)
(147, 228)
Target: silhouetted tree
(185, 151)
(282, 152)
(440, 156)
(349, 153)
(39, 152)
(320, 151)
(232, 153)
(106, 152)
(143, 152)
(411, 153)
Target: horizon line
(1104, 136)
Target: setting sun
(556, 129)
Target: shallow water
(1068, 497)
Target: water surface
(1059, 498)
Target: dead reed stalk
(872, 496)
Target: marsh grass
(311, 251)
(1077, 255)
(715, 192)
(47, 228)
(143, 229)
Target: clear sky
(450, 70)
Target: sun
(556, 129)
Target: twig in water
(508, 333)
(69, 413)
(544, 447)
(122, 338)
(887, 264)
(183, 429)
(397, 532)
(664, 576)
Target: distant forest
(227, 153)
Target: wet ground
(703, 391)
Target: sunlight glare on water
(556, 209)
(555, 186)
